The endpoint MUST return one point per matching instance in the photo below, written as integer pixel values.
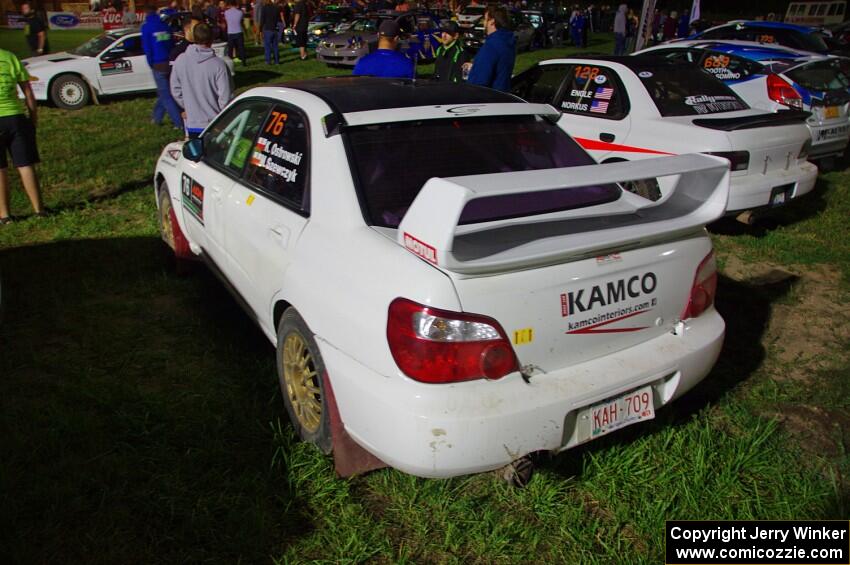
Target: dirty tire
(167, 226)
(69, 92)
(301, 373)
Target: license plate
(615, 413)
(831, 112)
(781, 194)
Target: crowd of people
(194, 85)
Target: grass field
(141, 421)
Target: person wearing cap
(451, 55)
(494, 63)
(385, 61)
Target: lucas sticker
(193, 197)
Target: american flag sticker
(599, 107)
(604, 93)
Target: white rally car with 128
(448, 311)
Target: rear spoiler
(780, 118)
(695, 190)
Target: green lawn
(140, 419)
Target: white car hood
(48, 59)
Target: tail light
(439, 346)
(780, 91)
(739, 160)
(704, 288)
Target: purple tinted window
(393, 161)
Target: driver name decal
(193, 197)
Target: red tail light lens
(780, 91)
(738, 160)
(439, 346)
(704, 288)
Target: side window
(406, 25)
(228, 142)
(728, 67)
(540, 84)
(681, 55)
(594, 91)
(279, 162)
(129, 47)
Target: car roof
(632, 62)
(748, 49)
(772, 25)
(347, 94)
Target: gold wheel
(302, 382)
(165, 222)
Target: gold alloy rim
(302, 382)
(165, 223)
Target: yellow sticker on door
(249, 200)
(523, 336)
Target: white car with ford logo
(450, 281)
(627, 108)
(110, 63)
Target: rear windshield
(822, 76)
(393, 161)
(688, 91)
(812, 42)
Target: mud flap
(181, 244)
(349, 458)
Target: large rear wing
(694, 188)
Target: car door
(595, 109)
(205, 185)
(268, 209)
(124, 67)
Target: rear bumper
(448, 430)
(753, 190)
(829, 147)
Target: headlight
(317, 32)
(327, 45)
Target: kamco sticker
(420, 248)
(193, 197)
(645, 74)
(600, 79)
(118, 67)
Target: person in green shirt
(17, 133)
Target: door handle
(607, 137)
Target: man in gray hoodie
(200, 82)
(620, 30)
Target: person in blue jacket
(494, 63)
(157, 43)
(385, 61)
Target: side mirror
(193, 149)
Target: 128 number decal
(587, 73)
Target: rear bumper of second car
(754, 190)
(448, 430)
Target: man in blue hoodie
(157, 43)
(494, 63)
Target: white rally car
(773, 78)
(626, 108)
(450, 280)
(111, 63)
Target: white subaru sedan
(626, 108)
(450, 281)
(110, 63)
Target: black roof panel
(358, 94)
